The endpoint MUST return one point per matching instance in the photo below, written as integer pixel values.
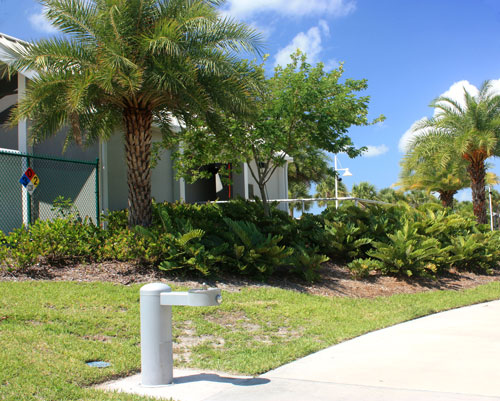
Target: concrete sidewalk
(449, 356)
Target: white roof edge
(286, 157)
(10, 42)
(5, 150)
(13, 39)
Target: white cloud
(247, 8)
(331, 64)
(455, 92)
(407, 137)
(373, 151)
(309, 43)
(40, 23)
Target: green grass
(48, 330)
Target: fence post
(97, 214)
(29, 195)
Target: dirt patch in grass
(334, 280)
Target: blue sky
(411, 51)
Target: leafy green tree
(474, 129)
(122, 64)
(300, 107)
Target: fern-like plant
(408, 253)
(253, 252)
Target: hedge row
(239, 239)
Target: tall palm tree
(122, 63)
(475, 131)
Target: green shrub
(408, 253)
(306, 262)
(253, 252)
(471, 253)
(178, 246)
(53, 241)
(363, 267)
(347, 241)
(237, 237)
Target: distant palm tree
(390, 195)
(298, 190)
(326, 189)
(364, 190)
(474, 129)
(422, 168)
(123, 63)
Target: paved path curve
(448, 356)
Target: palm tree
(122, 64)
(364, 190)
(310, 165)
(422, 169)
(390, 195)
(326, 188)
(298, 190)
(475, 132)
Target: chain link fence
(30, 184)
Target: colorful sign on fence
(29, 180)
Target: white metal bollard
(157, 361)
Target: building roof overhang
(10, 45)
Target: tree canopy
(301, 109)
(121, 64)
(472, 127)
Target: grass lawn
(48, 330)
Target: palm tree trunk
(446, 198)
(138, 154)
(477, 174)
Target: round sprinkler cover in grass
(98, 364)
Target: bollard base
(156, 385)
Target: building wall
(54, 146)
(70, 180)
(8, 98)
(163, 184)
(238, 183)
(12, 207)
(276, 187)
(57, 178)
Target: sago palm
(474, 129)
(121, 63)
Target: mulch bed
(335, 280)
